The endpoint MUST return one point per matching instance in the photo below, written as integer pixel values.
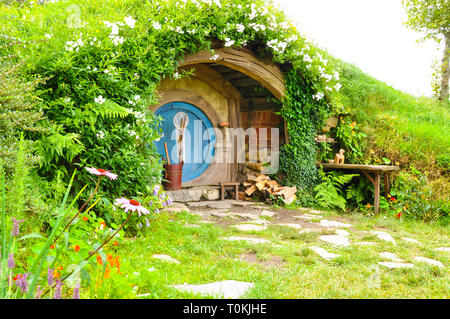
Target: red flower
(393, 199)
(52, 246)
(85, 218)
(398, 215)
(76, 248)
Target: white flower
(179, 30)
(132, 133)
(336, 75)
(100, 134)
(228, 42)
(307, 58)
(318, 96)
(327, 88)
(176, 75)
(48, 36)
(240, 27)
(137, 98)
(100, 99)
(118, 40)
(337, 86)
(328, 77)
(156, 25)
(130, 22)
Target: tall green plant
(330, 193)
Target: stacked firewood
(266, 189)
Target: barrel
(173, 176)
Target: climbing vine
(105, 60)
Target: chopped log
(247, 184)
(260, 185)
(242, 196)
(261, 178)
(250, 190)
(271, 183)
(250, 178)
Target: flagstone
(166, 258)
(291, 225)
(335, 240)
(383, 236)
(395, 265)
(323, 253)
(259, 222)
(391, 256)
(250, 240)
(307, 216)
(333, 223)
(267, 213)
(228, 289)
(249, 227)
(411, 240)
(243, 215)
(429, 261)
(446, 249)
(191, 225)
(220, 205)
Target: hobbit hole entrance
(227, 91)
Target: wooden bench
(367, 170)
(223, 185)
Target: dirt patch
(252, 258)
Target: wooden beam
(377, 193)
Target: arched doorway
(199, 138)
(226, 86)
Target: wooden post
(386, 184)
(377, 193)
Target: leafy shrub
(19, 112)
(329, 193)
(411, 197)
(105, 61)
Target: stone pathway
(391, 256)
(243, 216)
(250, 240)
(429, 261)
(383, 236)
(335, 240)
(323, 253)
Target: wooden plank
(380, 168)
(261, 178)
(377, 193)
(250, 190)
(370, 178)
(260, 185)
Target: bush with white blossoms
(119, 50)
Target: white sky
(371, 35)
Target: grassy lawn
(286, 268)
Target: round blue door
(199, 137)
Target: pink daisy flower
(131, 204)
(101, 172)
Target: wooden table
(223, 185)
(367, 170)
